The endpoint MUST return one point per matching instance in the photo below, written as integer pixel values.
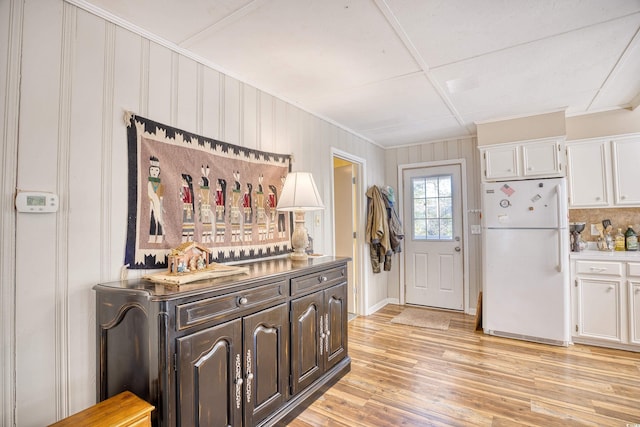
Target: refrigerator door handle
(561, 247)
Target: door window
(432, 202)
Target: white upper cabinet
(589, 171)
(523, 160)
(501, 163)
(604, 172)
(626, 165)
(541, 159)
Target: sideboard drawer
(323, 279)
(198, 312)
(599, 268)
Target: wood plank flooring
(409, 376)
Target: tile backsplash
(620, 218)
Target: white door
(432, 198)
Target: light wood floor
(408, 376)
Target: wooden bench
(122, 410)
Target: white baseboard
(381, 304)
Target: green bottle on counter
(630, 240)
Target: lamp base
(299, 239)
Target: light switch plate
(476, 229)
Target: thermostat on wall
(36, 202)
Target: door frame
(360, 216)
(465, 233)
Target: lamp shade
(299, 193)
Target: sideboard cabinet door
(266, 343)
(210, 391)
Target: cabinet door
(210, 377)
(266, 344)
(307, 343)
(599, 309)
(634, 311)
(588, 174)
(541, 159)
(501, 163)
(335, 323)
(626, 163)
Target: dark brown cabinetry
(243, 351)
(318, 334)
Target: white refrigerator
(526, 260)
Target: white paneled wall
(437, 151)
(73, 74)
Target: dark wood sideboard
(246, 350)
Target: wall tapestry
(185, 187)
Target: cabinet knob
(322, 279)
(243, 301)
(239, 381)
(250, 376)
(623, 197)
(611, 287)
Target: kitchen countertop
(606, 255)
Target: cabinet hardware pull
(243, 301)
(249, 375)
(322, 335)
(322, 279)
(327, 333)
(238, 381)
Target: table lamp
(299, 195)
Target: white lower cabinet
(599, 309)
(606, 303)
(633, 274)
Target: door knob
(457, 248)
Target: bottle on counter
(631, 240)
(620, 241)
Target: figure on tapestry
(248, 213)
(282, 228)
(188, 208)
(235, 216)
(155, 191)
(204, 204)
(221, 198)
(272, 202)
(261, 214)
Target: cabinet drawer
(633, 269)
(197, 312)
(319, 280)
(599, 268)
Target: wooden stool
(122, 410)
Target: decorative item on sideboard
(299, 195)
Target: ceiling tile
(554, 73)
(172, 20)
(298, 49)
(449, 31)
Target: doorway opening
(348, 208)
